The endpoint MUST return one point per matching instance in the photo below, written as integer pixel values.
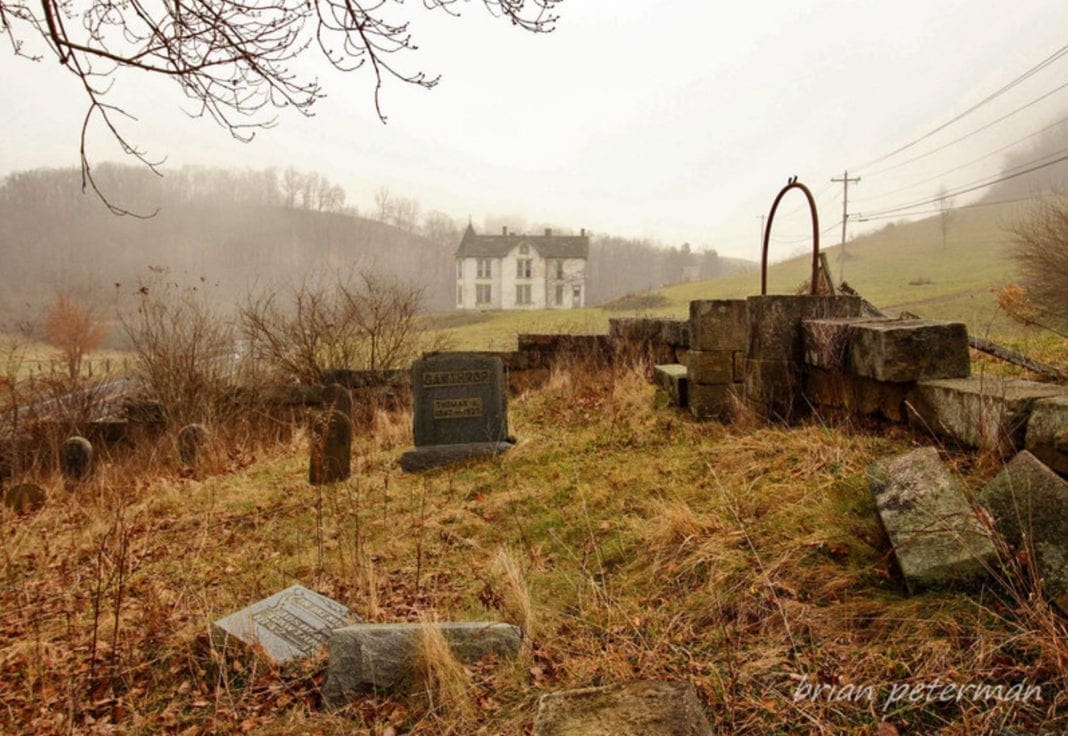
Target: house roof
(498, 246)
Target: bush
(1042, 255)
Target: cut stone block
(937, 538)
(1029, 503)
(856, 394)
(984, 412)
(291, 624)
(710, 366)
(717, 324)
(673, 379)
(713, 401)
(646, 708)
(385, 656)
(739, 366)
(436, 456)
(1047, 433)
(775, 353)
(675, 332)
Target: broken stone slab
(419, 459)
(937, 538)
(644, 708)
(896, 350)
(385, 656)
(1029, 503)
(985, 412)
(1047, 433)
(717, 324)
(291, 624)
(673, 379)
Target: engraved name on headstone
(288, 625)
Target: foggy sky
(675, 119)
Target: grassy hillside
(628, 541)
(901, 267)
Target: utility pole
(845, 218)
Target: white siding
(543, 281)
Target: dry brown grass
(640, 544)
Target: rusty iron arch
(792, 183)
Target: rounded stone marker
(76, 458)
(331, 449)
(192, 439)
(24, 498)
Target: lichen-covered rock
(1047, 433)
(937, 538)
(1029, 503)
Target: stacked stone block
(716, 352)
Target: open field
(747, 561)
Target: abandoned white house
(511, 271)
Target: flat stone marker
(192, 439)
(1029, 503)
(76, 458)
(291, 624)
(460, 410)
(384, 656)
(645, 708)
(331, 449)
(937, 538)
(24, 498)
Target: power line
(970, 163)
(1029, 198)
(978, 130)
(1062, 51)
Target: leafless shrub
(1042, 255)
(366, 321)
(184, 351)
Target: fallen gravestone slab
(458, 399)
(647, 708)
(385, 656)
(1029, 503)
(24, 498)
(937, 538)
(291, 624)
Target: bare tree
(74, 330)
(383, 204)
(945, 212)
(236, 59)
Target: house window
(459, 268)
(459, 294)
(483, 294)
(523, 268)
(560, 270)
(559, 295)
(522, 294)
(485, 268)
(576, 296)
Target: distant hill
(54, 237)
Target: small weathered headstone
(192, 439)
(288, 625)
(76, 458)
(460, 410)
(24, 497)
(331, 449)
(385, 656)
(1029, 503)
(337, 398)
(643, 708)
(937, 538)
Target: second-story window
(485, 268)
(523, 268)
(560, 270)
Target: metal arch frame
(792, 183)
